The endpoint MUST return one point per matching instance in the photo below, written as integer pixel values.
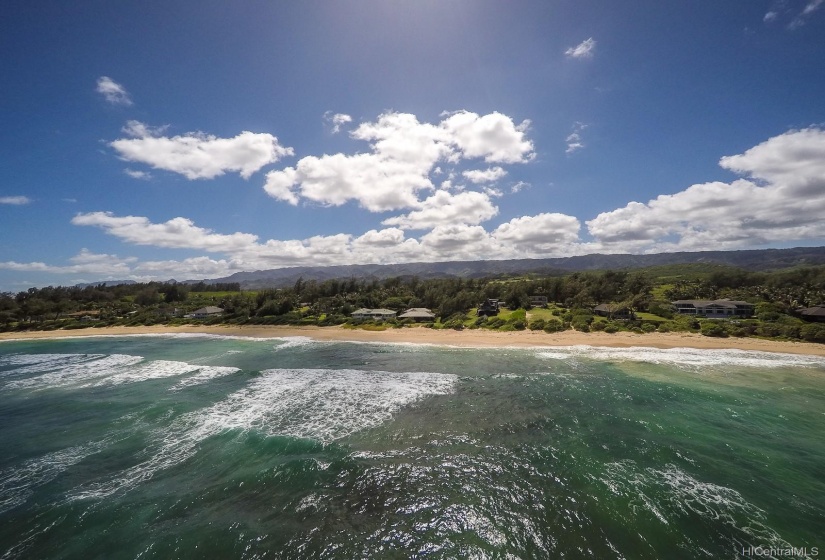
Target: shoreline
(466, 338)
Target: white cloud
(141, 175)
(541, 234)
(15, 200)
(574, 140)
(494, 137)
(84, 262)
(197, 155)
(585, 49)
(445, 208)
(800, 20)
(784, 202)
(404, 155)
(489, 175)
(337, 120)
(779, 198)
(520, 186)
(112, 91)
(770, 16)
(178, 233)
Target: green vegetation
(573, 297)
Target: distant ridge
(752, 260)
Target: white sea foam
(73, 371)
(684, 357)
(295, 342)
(204, 375)
(324, 405)
(671, 493)
(96, 370)
(17, 483)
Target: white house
(418, 314)
(206, 312)
(716, 309)
(379, 314)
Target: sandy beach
(466, 338)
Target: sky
(194, 139)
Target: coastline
(466, 338)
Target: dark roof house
(715, 309)
(418, 314)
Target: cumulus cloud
(489, 175)
(445, 208)
(779, 197)
(180, 233)
(337, 120)
(85, 262)
(403, 158)
(15, 200)
(783, 199)
(197, 155)
(540, 234)
(112, 91)
(585, 49)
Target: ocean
(192, 446)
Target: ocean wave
(17, 483)
(74, 370)
(294, 342)
(685, 357)
(323, 405)
(669, 494)
(98, 370)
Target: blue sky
(196, 139)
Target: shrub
(537, 325)
(710, 328)
(598, 325)
(812, 333)
(553, 325)
(611, 328)
(581, 324)
(495, 323)
(648, 327)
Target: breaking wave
(685, 357)
(318, 404)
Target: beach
(466, 338)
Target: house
(418, 314)
(378, 314)
(614, 311)
(489, 307)
(815, 313)
(716, 309)
(538, 301)
(206, 312)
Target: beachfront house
(716, 309)
(815, 313)
(375, 314)
(614, 311)
(418, 314)
(538, 301)
(206, 312)
(489, 307)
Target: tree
(147, 296)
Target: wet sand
(466, 338)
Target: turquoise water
(215, 447)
